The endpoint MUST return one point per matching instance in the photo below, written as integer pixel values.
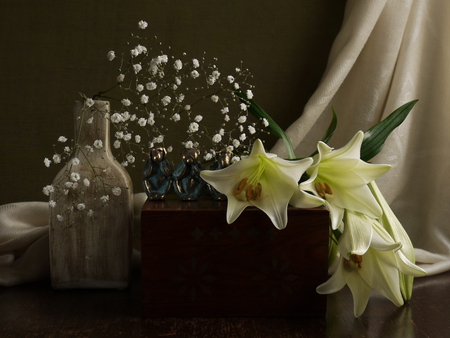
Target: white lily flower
(393, 226)
(340, 178)
(262, 180)
(378, 268)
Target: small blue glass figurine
(157, 174)
(188, 184)
(223, 161)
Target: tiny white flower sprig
(72, 185)
(167, 100)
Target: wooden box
(194, 264)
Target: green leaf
(375, 137)
(331, 128)
(329, 132)
(273, 127)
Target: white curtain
(387, 53)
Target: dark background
(51, 50)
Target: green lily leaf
(330, 130)
(375, 137)
(273, 127)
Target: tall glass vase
(91, 209)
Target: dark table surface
(36, 310)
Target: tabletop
(37, 310)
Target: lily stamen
(323, 189)
(241, 186)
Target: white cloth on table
(24, 241)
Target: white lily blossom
(378, 268)
(339, 177)
(262, 180)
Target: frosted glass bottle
(91, 223)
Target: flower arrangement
(166, 100)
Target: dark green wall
(51, 50)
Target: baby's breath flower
(120, 78)
(126, 102)
(137, 138)
(137, 68)
(225, 110)
(226, 118)
(265, 122)
(116, 191)
(243, 137)
(178, 65)
(116, 118)
(195, 74)
(119, 135)
(139, 88)
(251, 129)
(235, 159)
(125, 116)
(90, 120)
(189, 144)
(230, 79)
(127, 137)
(215, 98)
(249, 94)
(76, 161)
(74, 176)
(242, 119)
(56, 159)
(81, 206)
(208, 156)
(86, 182)
(243, 106)
(48, 189)
(60, 217)
(166, 100)
(142, 24)
(62, 139)
(144, 99)
(130, 158)
(193, 127)
(90, 213)
(68, 185)
(187, 107)
(151, 86)
(195, 63)
(104, 198)
(217, 138)
(236, 86)
(117, 144)
(90, 102)
(111, 55)
(52, 203)
(236, 143)
(89, 149)
(47, 162)
(98, 144)
(142, 122)
(198, 118)
(176, 117)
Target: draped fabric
(24, 241)
(386, 54)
